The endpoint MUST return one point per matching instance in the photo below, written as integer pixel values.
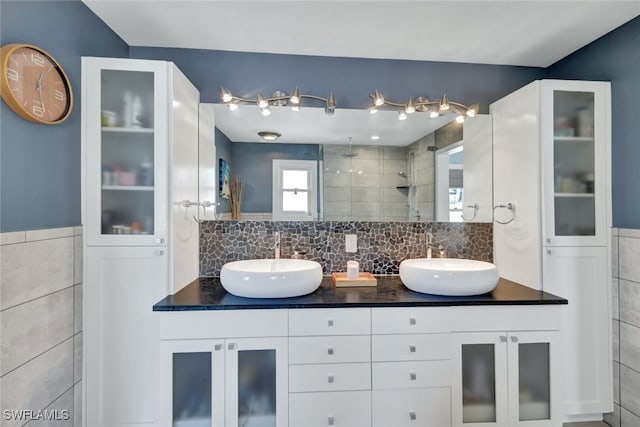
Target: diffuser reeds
(236, 188)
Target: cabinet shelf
(128, 187)
(127, 130)
(575, 195)
(573, 138)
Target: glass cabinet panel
(127, 152)
(534, 384)
(478, 383)
(257, 388)
(574, 163)
(192, 389)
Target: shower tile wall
(626, 328)
(381, 245)
(363, 186)
(421, 198)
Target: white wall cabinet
(552, 156)
(362, 367)
(139, 166)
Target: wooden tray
(364, 279)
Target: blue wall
(254, 163)
(351, 79)
(40, 164)
(615, 57)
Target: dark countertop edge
(535, 298)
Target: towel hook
(475, 208)
(511, 207)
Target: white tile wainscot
(383, 366)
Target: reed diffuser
(236, 188)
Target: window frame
(311, 167)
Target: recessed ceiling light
(268, 135)
(375, 137)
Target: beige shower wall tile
(34, 327)
(33, 269)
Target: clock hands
(39, 89)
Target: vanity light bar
(279, 98)
(424, 105)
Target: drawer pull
(514, 339)
(330, 379)
(330, 351)
(412, 416)
(503, 338)
(330, 322)
(331, 421)
(217, 347)
(412, 348)
(412, 320)
(413, 376)
(231, 346)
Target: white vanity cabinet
(411, 352)
(238, 378)
(552, 157)
(330, 367)
(508, 374)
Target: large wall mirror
(370, 167)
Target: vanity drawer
(397, 375)
(429, 407)
(330, 377)
(340, 409)
(410, 320)
(388, 348)
(330, 321)
(331, 349)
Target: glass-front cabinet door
(505, 379)
(257, 382)
(575, 163)
(125, 106)
(192, 383)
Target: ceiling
(313, 126)
(510, 32)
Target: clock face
(37, 85)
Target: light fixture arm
(278, 98)
(423, 104)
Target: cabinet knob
(160, 241)
(217, 347)
(330, 351)
(548, 240)
(412, 320)
(231, 346)
(159, 252)
(514, 338)
(503, 338)
(331, 421)
(412, 348)
(330, 379)
(413, 376)
(412, 416)
(330, 322)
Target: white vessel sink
(271, 278)
(449, 276)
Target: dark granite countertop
(208, 294)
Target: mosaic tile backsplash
(381, 245)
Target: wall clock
(34, 84)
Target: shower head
(402, 174)
(349, 153)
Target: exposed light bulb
(225, 95)
(402, 115)
(232, 106)
(262, 103)
(373, 110)
(444, 103)
(378, 99)
(295, 108)
(473, 110)
(295, 96)
(265, 111)
(410, 108)
(434, 114)
(460, 119)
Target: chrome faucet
(431, 244)
(276, 236)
